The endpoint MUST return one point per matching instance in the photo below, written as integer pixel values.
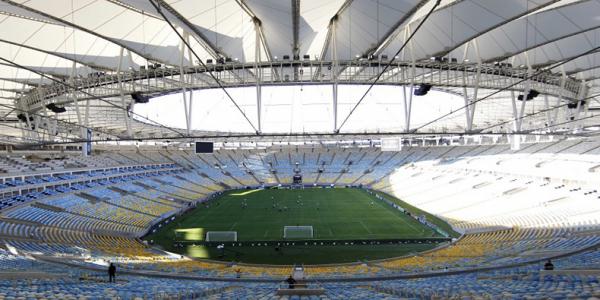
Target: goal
(297, 232)
(221, 236)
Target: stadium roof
(91, 56)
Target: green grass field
(260, 215)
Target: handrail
(237, 74)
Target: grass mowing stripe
(415, 210)
(404, 220)
(346, 214)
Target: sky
(301, 109)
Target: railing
(165, 80)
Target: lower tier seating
(575, 276)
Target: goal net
(221, 236)
(297, 232)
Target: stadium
(301, 149)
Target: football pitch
(340, 214)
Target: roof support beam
(259, 30)
(204, 65)
(71, 58)
(581, 106)
(506, 21)
(258, 27)
(296, 27)
(28, 82)
(547, 64)
(549, 120)
(74, 96)
(579, 72)
(16, 91)
(122, 93)
(332, 22)
(258, 75)
(8, 113)
(470, 104)
(394, 31)
(559, 99)
(335, 78)
(200, 37)
(330, 36)
(518, 114)
(72, 25)
(408, 39)
(408, 100)
(533, 47)
(389, 36)
(187, 105)
(296, 34)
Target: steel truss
(167, 80)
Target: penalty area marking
(232, 225)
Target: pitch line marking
(389, 210)
(232, 225)
(407, 222)
(365, 227)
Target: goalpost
(221, 236)
(298, 232)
